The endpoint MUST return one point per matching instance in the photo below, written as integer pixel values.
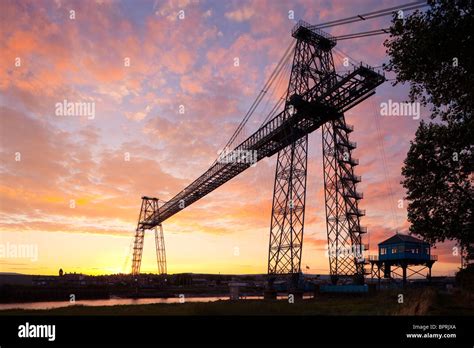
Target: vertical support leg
(137, 250)
(148, 210)
(341, 197)
(404, 268)
(160, 249)
(387, 273)
(312, 63)
(379, 265)
(287, 222)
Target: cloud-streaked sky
(47, 57)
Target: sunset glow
(72, 186)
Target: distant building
(44, 280)
(234, 288)
(61, 272)
(403, 252)
(404, 247)
(74, 278)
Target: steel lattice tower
(149, 208)
(313, 70)
(342, 213)
(286, 234)
(316, 97)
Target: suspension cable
(279, 102)
(381, 31)
(371, 15)
(262, 93)
(385, 166)
(276, 88)
(352, 19)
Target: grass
(457, 304)
(416, 302)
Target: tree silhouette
(432, 51)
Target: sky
(167, 95)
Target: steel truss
(312, 63)
(391, 270)
(150, 207)
(325, 101)
(317, 96)
(287, 222)
(313, 74)
(345, 248)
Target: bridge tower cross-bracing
(317, 97)
(313, 69)
(150, 207)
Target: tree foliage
(432, 51)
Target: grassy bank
(415, 302)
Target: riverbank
(415, 302)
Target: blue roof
(402, 238)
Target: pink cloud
(240, 14)
(173, 62)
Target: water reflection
(108, 302)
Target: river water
(121, 301)
(111, 302)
